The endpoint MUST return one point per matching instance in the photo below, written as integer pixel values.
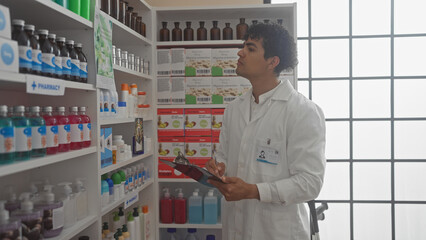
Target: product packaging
(198, 122)
(170, 122)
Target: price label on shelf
(44, 86)
(132, 198)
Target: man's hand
(216, 168)
(235, 189)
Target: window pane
(371, 140)
(410, 139)
(336, 224)
(372, 221)
(371, 17)
(303, 57)
(371, 57)
(330, 58)
(410, 98)
(337, 137)
(371, 98)
(410, 56)
(410, 181)
(303, 88)
(302, 15)
(330, 18)
(409, 14)
(372, 181)
(410, 221)
(336, 182)
(332, 97)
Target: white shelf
(201, 43)
(188, 225)
(79, 226)
(115, 204)
(125, 163)
(112, 121)
(43, 161)
(176, 180)
(42, 13)
(119, 70)
(193, 106)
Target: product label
(52, 136)
(58, 65)
(36, 60)
(25, 57)
(66, 65)
(64, 134)
(23, 139)
(48, 63)
(83, 69)
(7, 139)
(130, 182)
(75, 67)
(39, 137)
(76, 132)
(87, 131)
(57, 218)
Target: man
(271, 145)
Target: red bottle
(180, 208)
(76, 129)
(64, 130)
(166, 207)
(87, 128)
(51, 131)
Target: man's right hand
(216, 168)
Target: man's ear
(274, 61)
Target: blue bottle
(7, 137)
(38, 128)
(210, 208)
(191, 234)
(195, 203)
(23, 134)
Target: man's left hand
(235, 189)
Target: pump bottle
(180, 208)
(166, 207)
(195, 203)
(137, 235)
(210, 208)
(31, 218)
(53, 213)
(81, 199)
(10, 228)
(68, 201)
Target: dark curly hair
(276, 42)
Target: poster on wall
(103, 52)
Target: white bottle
(131, 226)
(7, 224)
(130, 182)
(101, 104)
(147, 223)
(118, 141)
(134, 93)
(116, 222)
(137, 223)
(106, 103)
(68, 200)
(81, 199)
(128, 152)
(112, 104)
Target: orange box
(170, 122)
(169, 147)
(217, 119)
(198, 148)
(198, 122)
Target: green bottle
(74, 5)
(85, 9)
(7, 137)
(23, 134)
(63, 3)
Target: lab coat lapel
(244, 107)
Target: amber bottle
(106, 6)
(129, 13)
(227, 32)
(115, 7)
(122, 12)
(143, 28)
(164, 33)
(215, 32)
(241, 28)
(201, 32)
(138, 25)
(177, 33)
(188, 32)
(133, 21)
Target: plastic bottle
(137, 223)
(85, 9)
(123, 182)
(112, 104)
(166, 207)
(7, 137)
(110, 187)
(75, 62)
(241, 28)
(147, 223)
(10, 228)
(74, 5)
(105, 230)
(38, 129)
(53, 213)
(31, 218)
(106, 103)
(126, 233)
(24, 46)
(69, 203)
(124, 99)
(180, 208)
(87, 128)
(23, 134)
(116, 221)
(201, 32)
(140, 176)
(117, 140)
(76, 129)
(47, 54)
(210, 208)
(104, 193)
(81, 199)
(101, 104)
(134, 92)
(83, 62)
(58, 60)
(116, 179)
(172, 234)
(35, 47)
(65, 58)
(191, 234)
(215, 32)
(51, 131)
(195, 203)
(130, 175)
(132, 226)
(64, 130)
(121, 216)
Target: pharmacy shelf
(188, 225)
(125, 72)
(79, 226)
(176, 180)
(43, 161)
(125, 163)
(112, 121)
(193, 106)
(197, 44)
(32, 11)
(115, 204)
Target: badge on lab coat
(267, 155)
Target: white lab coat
(291, 129)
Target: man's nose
(241, 52)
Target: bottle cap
(74, 109)
(82, 109)
(35, 109)
(26, 204)
(3, 108)
(60, 39)
(125, 228)
(133, 85)
(130, 217)
(141, 93)
(171, 230)
(43, 31)
(210, 237)
(135, 212)
(210, 193)
(145, 209)
(84, 238)
(29, 27)
(116, 178)
(120, 211)
(79, 186)
(124, 87)
(79, 45)
(145, 105)
(20, 109)
(166, 193)
(192, 230)
(67, 188)
(48, 195)
(51, 35)
(70, 42)
(180, 193)
(18, 22)
(61, 109)
(117, 137)
(47, 109)
(105, 226)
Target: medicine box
(198, 122)
(164, 90)
(165, 171)
(217, 119)
(198, 148)
(224, 61)
(198, 62)
(178, 61)
(178, 90)
(170, 122)
(106, 155)
(168, 149)
(164, 62)
(198, 90)
(225, 89)
(5, 23)
(9, 57)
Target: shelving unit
(122, 71)
(124, 163)
(188, 225)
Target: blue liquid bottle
(38, 129)
(210, 208)
(7, 137)
(23, 134)
(195, 203)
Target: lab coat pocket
(268, 157)
(273, 222)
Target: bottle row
(32, 134)
(39, 214)
(47, 55)
(80, 7)
(124, 13)
(129, 60)
(190, 235)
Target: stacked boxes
(9, 57)
(168, 149)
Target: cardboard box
(164, 90)
(225, 89)
(168, 149)
(215, 145)
(198, 122)
(170, 122)
(178, 90)
(106, 154)
(198, 62)
(9, 57)
(198, 148)
(165, 171)
(5, 23)
(224, 61)
(245, 85)
(164, 62)
(178, 61)
(198, 90)
(217, 119)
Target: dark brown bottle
(138, 25)
(201, 32)
(215, 32)
(129, 13)
(106, 6)
(280, 21)
(227, 32)
(164, 33)
(115, 7)
(133, 21)
(122, 12)
(143, 28)
(266, 21)
(177, 33)
(254, 22)
(242, 28)
(188, 32)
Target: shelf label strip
(44, 86)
